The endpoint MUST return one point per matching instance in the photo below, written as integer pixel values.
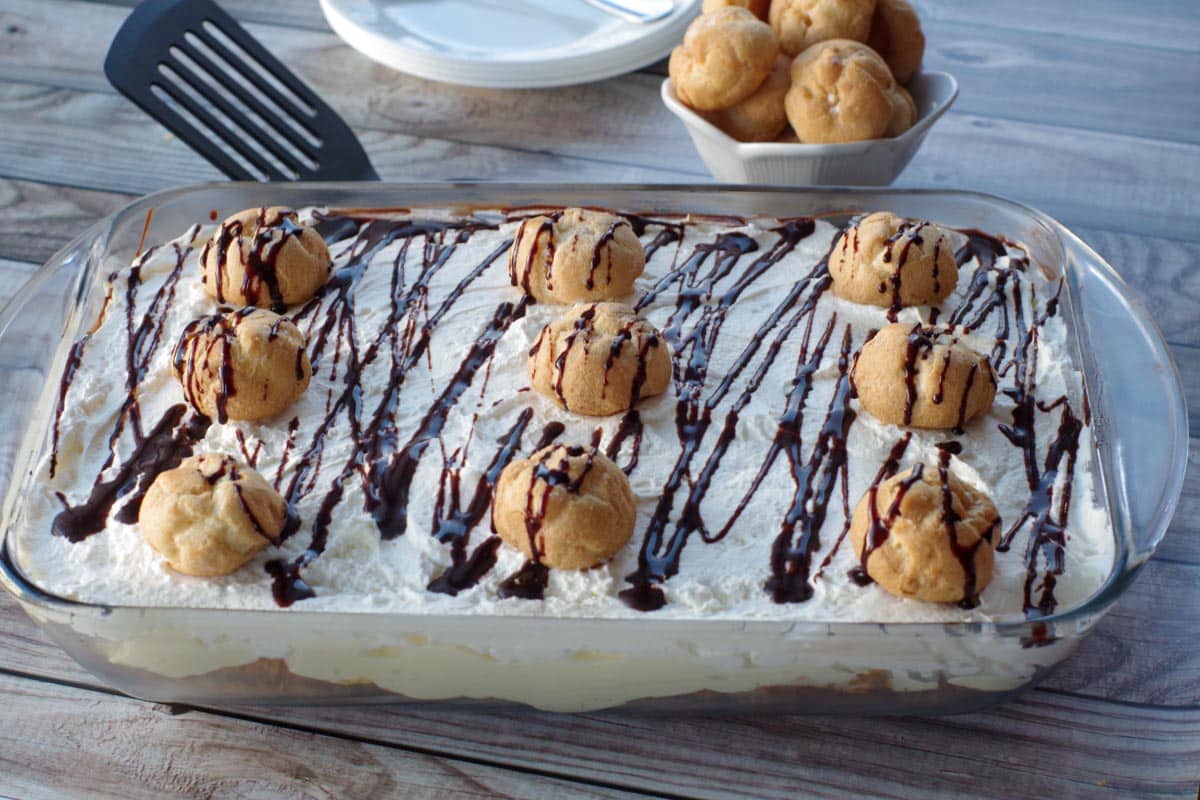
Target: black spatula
(189, 65)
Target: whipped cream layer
(745, 471)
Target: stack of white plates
(505, 44)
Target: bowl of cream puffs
(806, 92)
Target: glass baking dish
(203, 655)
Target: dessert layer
(745, 471)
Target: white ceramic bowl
(876, 162)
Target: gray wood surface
(1088, 111)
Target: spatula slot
(269, 131)
(216, 126)
(278, 83)
(239, 84)
(196, 70)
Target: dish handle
(1130, 370)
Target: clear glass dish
(209, 655)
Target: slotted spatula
(193, 68)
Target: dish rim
(1128, 559)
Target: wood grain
(1157, 24)
(774, 757)
(1088, 113)
(1046, 78)
(1092, 178)
(50, 138)
(1162, 272)
(372, 97)
(1027, 72)
(39, 219)
(59, 742)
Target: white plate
(505, 44)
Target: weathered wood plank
(1124, 657)
(1154, 24)
(37, 219)
(1162, 24)
(373, 97)
(60, 742)
(1188, 360)
(1182, 543)
(1104, 180)
(1098, 180)
(50, 137)
(1084, 178)
(1054, 74)
(1101, 750)
(13, 275)
(1049, 78)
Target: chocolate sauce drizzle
(389, 443)
(997, 288)
(1045, 513)
(965, 554)
(167, 444)
(907, 235)
(260, 259)
(880, 527)
(692, 344)
(791, 560)
(64, 384)
(522, 274)
(635, 333)
(875, 535)
(169, 440)
(194, 356)
(453, 523)
(386, 467)
(551, 471)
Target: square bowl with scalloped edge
(876, 162)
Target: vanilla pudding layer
(745, 471)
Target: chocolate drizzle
(880, 527)
(260, 259)
(950, 519)
(1050, 482)
(552, 471)
(527, 583)
(385, 467)
(603, 246)
(920, 343)
(791, 558)
(64, 384)
(452, 523)
(163, 448)
(692, 346)
(522, 274)
(997, 288)
(907, 235)
(194, 357)
(876, 534)
(401, 430)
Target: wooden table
(1091, 113)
